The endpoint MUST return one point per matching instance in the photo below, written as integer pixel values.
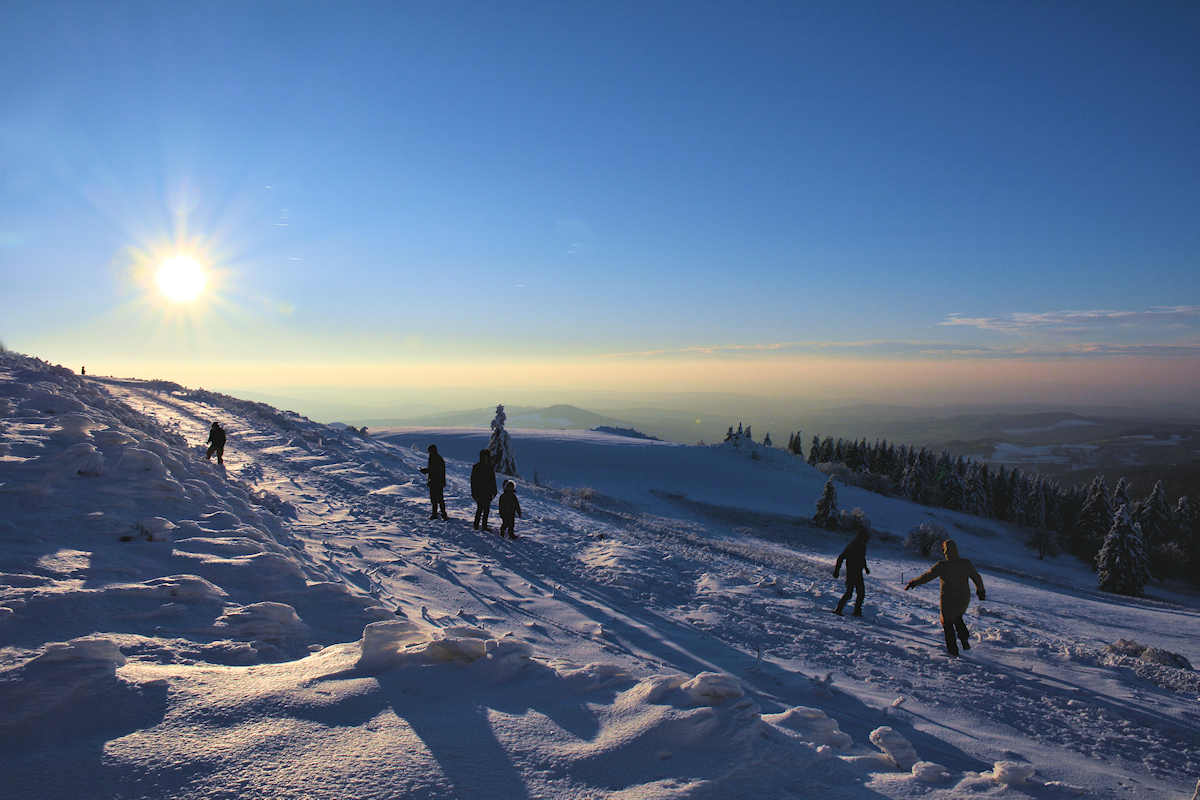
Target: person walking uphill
(855, 556)
(483, 489)
(954, 572)
(437, 483)
(216, 444)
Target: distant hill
(556, 417)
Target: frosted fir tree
(1122, 564)
(827, 508)
(1092, 522)
(767, 440)
(1154, 517)
(500, 446)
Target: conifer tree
(500, 446)
(827, 508)
(1121, 562)
(766, 439)
(1092, 522)
(814, 453)
(1121, 497)
(1154, 517)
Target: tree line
(1127, 540)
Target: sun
(181, 279)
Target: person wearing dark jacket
(437, 483)
(510, 509)
(483, 488)
(855, 556)
(954, 572)
(216, 444)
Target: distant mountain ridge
(555, 417)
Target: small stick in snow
(758, 665)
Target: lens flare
(181, 279)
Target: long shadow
(55, 719)
(650, 636)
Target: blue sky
(803, 199)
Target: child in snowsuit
(216, 444)
(956, 593)
(483, 489)
(855, 556)
(437, 483)
(510, 509)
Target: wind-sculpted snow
(292, 624)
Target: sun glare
(181, 279)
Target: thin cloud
(922, 350)
(1073, 321)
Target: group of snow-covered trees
(1128, 540)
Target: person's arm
(838, 566)
(926, 578)
(978, 579)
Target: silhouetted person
(510, 509)
(437, 482)
(216, 444)
(83, 370)
(956, 593)
(483, 489)
(855, 556)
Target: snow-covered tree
(767, 440)
(1154, 517)
(814, 453)
(1121, 562)
(500, 446)
(827, 508)
(1092, 522)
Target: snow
(292, 624)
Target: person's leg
(478, 514)
(433, 502)
(964, 635)
(441, 499)
(221, 454)
(858, 587)
(951, 643)
(845, 597)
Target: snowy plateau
(291, 624)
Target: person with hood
(483, 488)
(855, 556)
(510, 509)
(216, 444)
(437, 483)
(954, 572)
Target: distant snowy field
(292, 625)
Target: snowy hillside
(291, 624)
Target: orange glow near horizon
(909, 382)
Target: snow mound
(929, 772)
(273, 623)
(392, 644)
(1010, 773)
(811, 725)
(897, 748)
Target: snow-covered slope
(292, 624)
